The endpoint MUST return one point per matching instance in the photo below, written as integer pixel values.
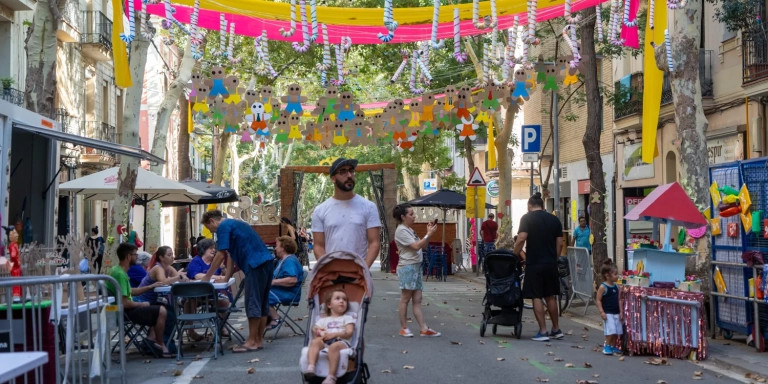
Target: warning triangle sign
(476, 179)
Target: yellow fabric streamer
(205, 232)
(119, 49)
(653, 79)
(190, 123)
(491, 146)
(363, 16)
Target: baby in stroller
(334, 330)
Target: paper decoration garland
(567, 14)
(614, 23)
(676, 4)
(435, 22)
(457, 54)
(230, 48)
(292, 30)
(414, 69)
(313, 17)
(389, 23)
(222, 35)
(401, 67)
(304, 46)
(531, 38)
(599, 15)
(668, 48)
(170, 19)
(569, 35)
(326, 64)
(262, 49)
(651, 6)
(131, 33)
(195, 39)
(626, 21)
(341, 49)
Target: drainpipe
(746, 133)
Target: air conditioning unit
(564, 172)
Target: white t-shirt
(345, 224)
(404, 237)
(335, 324)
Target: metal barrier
(66, 317)
(582, 276)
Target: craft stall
(662, 307)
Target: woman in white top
(409, 272)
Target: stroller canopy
(501, 263)
(341, 268)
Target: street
(459, 355)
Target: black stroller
(503, 289)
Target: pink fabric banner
(251, 26)
(630, 34)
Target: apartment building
(571, 118)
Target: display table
(18, 363)
(664, 322)
(167, 288)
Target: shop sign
(493, 188)
(583, 187)
(430, 186)
(634, 167)
(725, 149)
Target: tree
(185, 172)
(685, 36)
(41, 45)
(591, 139)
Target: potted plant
(7, 82)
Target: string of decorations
(457, 54)
(292, 30)
(130, 34)
(389, 23)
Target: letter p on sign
(531, 138)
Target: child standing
(334, 330)
(609, 306)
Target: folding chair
(135, 335)
(283, 309)
(227, 312)
(204, 315)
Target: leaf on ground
(472, 315)
(500, 359)
(558, 359)
(147, 361)
(596, 375)
(455, 342)
(177, 372)
(697, 378)
(657, 361)
(445, 302)
(386, 371)
(548, 344)
(550, 353)
(621, 358)
(661, 382)
(482, 342)
(586, 329)
(198, 377)
(542, 380)
(197, 358)
(524, 358)
(251, 370)
(569, 365)
(698, 373)
(179, 363)
(570, 332)
(408, 366)
(404, 352)
(587, 365)
(577, 346)
(253, 361)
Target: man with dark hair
(581, 235)
(238, 242)
(346, 221)
(140, 313)
(542, 235)
(488, 232)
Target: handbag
(139, 243)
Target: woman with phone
(410, 246)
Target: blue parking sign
(530, 138)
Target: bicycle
(563, 270)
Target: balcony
(754, 56)
(100, 131)
(13, 96)
(96, 38)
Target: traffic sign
(493, 188)
(476, 179)
(473, 211)
(530, 157)
(531, 138)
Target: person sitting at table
(286, 280)
(142, 313)
(196, 270)
(161, 272)
(138, 271)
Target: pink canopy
(668, 202)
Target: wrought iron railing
(100, 131)
(754, 55)
(705, 73)
(12, 95)
(98, 29)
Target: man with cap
(346, 221)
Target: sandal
(194, 336)
(272, 325)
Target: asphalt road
(459, 356)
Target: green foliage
(739, 15)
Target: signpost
(476, 199)
(531, 146)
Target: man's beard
(133, 262)
(343, 185)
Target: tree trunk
(185, 172)
(237, 162)
(689, 118)
(505, 175)
(159, 142)
(591, 140)
(41, 44)
(222, 147)
(126, 177)
(410, 188)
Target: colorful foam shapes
(730, 212)
(744, 200)
(728, 190)
(715, 194)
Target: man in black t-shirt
(542, 235)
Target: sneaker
(607, 350)
(430, 333)
(405, 332)
(616, 350)
(556, 334)
(540, 337)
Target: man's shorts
(612, 324)
(144, 315)
(257, 283)
(541, 281)
(410, 277)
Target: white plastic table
(93, 304)
(18, 363)
(167, 288)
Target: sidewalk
(730, 357)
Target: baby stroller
(350, 273)
(503, 289)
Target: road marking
(541, 367)
(191, 371)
